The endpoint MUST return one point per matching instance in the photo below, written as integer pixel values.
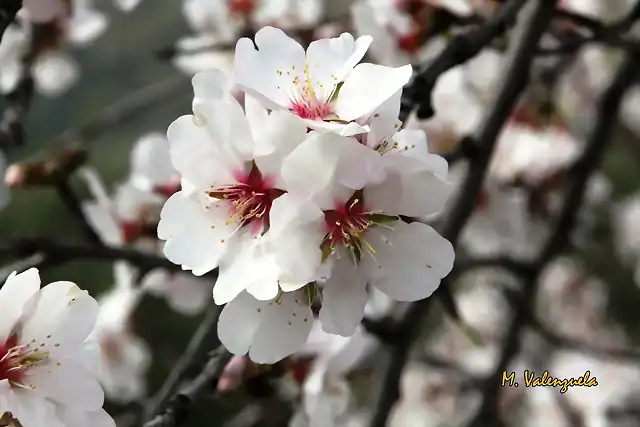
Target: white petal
(103, 222)
(200, 159)
(239, 321)
(72, 417)
(63, 317)
(412, 264)
(30, 409)
(251, 266)
(66, 382)
(268, 73)
(210, 85)
(343, 129)
(283, 331)
(330, 60)
(327, 167)
(367, 87)
(283, 133)
(14, 294)
(151, 159)
(127, 5)
(196, 237)
(85, 25)
(44, 11)
(344, 297)
(55, 73)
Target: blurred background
(589, 296)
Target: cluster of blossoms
(47, 365)
(296, 198)
(37, 39)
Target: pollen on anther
(57, 344)
(221, 240)
(289, 322)
(258, 310)
(48, 336)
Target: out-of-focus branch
(462, 48)
(177, 411)
(187, 359)
(50, 253)
(119, 111)
(570, 343)
(485, 139)
(559, 239)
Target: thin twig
(186, 360)
(57, 253)
(74, 206)
(177, 411)
(556, 339)
(461, 49)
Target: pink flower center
(16, 359)
(410, 43)
(309, 107)
(346, 224)
(249, 200)
(168, 189)
(242, 7)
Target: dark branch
(515, 81)
(55, 253)
(463, 47)
(185, 362)
(177, 411)
(559, 239)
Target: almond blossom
(361, 193)
(133, 211)
(270, 329)
(47, 368)
(124, 357)
(323, 85)
(54, 71)
(232, 166)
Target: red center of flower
(10, 367)
(347, 222)
(483, 199)
(311, 108)
(249, 200)
(410, 43)
(169, 189)
(242, 7)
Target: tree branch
(186, 361)
(461, 49)
(177, 411)
(485, 139)
(607, 116)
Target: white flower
(41, 11)
(630, 110)
(134, 210)
(531, 155)
(4, 190)
(458, 98)
(321, 86)
(233, 166)
(267, 330)
(46, 365)
(398, 37)
(502, 224)
(124, 357)
(364, 239)
(327, 397)
(626, 232)
(185, 294)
